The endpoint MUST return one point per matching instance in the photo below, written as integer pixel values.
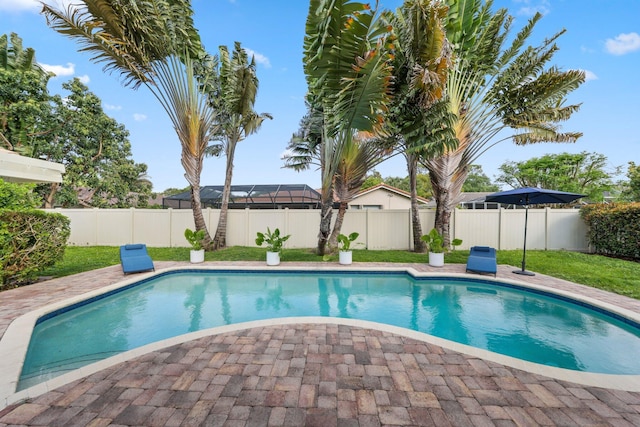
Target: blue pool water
(501, 318)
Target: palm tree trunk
(337, 227)
(193, 167)
(326, 210)
(446, 191)
(412, 167)
(220, 239)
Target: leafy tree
(152, 43)
(233, 98)
(477, 181)
(576, 173)
(423, 184)
(495, 88)
(631, 191)
(24, 99)
(373, 179)
(96, 153)
(347, 64)
(421, 66)
(171, 191)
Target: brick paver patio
(310, 374)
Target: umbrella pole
(524, 252)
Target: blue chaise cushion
(134, 258)
(482, 259)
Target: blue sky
(602, 38)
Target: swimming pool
(504, 318)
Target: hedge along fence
(30, 240)
(613, 229)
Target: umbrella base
(524, 272)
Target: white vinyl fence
(551, 229)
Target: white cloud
(30, 5)
(589, 75)
(84, 79)
(139, 117)
(112, 107)
(531, 7)
(60, 70)
(260, 58)
(623, 43)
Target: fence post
(546, 227)
(247, 227)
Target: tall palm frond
(496, 88)
(232, 95)
(128, 36)
(151, 43)
(421, 66)
(347, 62)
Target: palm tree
(360, 154)
(155, 44)
(421, 66)
(233, 99)
(347, 64)
(303, 149)
(494, 88)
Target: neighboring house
(471, 200)
(383, 196)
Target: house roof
(389, 188)
(247, 196)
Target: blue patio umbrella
(527, 196)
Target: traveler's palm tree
(421, 66)
(233, 99)
(492, 89)
(360, 154)
(347, 64)
(151, 43)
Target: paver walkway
(308, 374)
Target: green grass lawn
(614, 275)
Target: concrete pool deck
(310, 373)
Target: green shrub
(18, 196)
(614, 229)
(30, 240)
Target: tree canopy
(583, 173)
(96, 152)
(71, 129)
(477, 181)
(631, 190)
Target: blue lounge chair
(134, 258)
(482, 259)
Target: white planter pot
(273, 258)
(345, 257)
(436, 259)
(196, 256)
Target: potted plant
(344, 245)
(274, 242)
(195, 239)
(435, 246)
